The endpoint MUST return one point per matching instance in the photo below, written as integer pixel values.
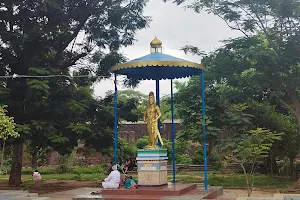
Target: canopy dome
(155, 42)
(156, 66)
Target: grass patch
(75, 170)
(189, 179)
(96, 173)
(260, 181)
(79, 177)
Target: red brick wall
(131, 132)
(167, 130)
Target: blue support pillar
(158, 103)
(204, 131)
(115, 121)
(173, 135)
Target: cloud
(175, 27)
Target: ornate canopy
(157, 66)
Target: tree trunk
(34, 160)
(209, 151)
(16, 167)
(297, 185)
(293, 95)
(291, 171)
(272, 167)
(2, 156)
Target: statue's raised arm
(151, 117)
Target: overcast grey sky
(175, 27)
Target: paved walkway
(19, 195)
(67, 195)
(227, 194)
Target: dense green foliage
(252, 82)
(7, 125)
(49, 38)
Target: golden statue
(151, 116)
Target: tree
(277, 57)
(7, 129)
(165, 107)
(189, 107)
(7, 125)
(267, 115)
(42, 38)
(235, 64)
(249, 150)
(137, 100)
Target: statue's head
(151, 98)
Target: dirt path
(243, 193)
(50, 186)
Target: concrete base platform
(172, 192)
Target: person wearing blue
(130, 183)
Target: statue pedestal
(152, 167)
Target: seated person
(130, 183)
(36, 175)
(113, 179)
(126, 166)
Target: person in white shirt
(113, 179)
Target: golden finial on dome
(155, 41)
(156, 45)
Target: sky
(175, 27)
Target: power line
(50, 76)
(15, 76)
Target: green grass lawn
(225, 180)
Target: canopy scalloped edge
(158, 63)
(149, 79)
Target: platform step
(88, 197)
(136, 197)
(163, 193)
(172, 190)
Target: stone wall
(132, 131)
(167, 128)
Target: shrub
(198, 159)
(76, 170)
(89, 170)
(29, 171)
(183, 159)
(142, 142)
